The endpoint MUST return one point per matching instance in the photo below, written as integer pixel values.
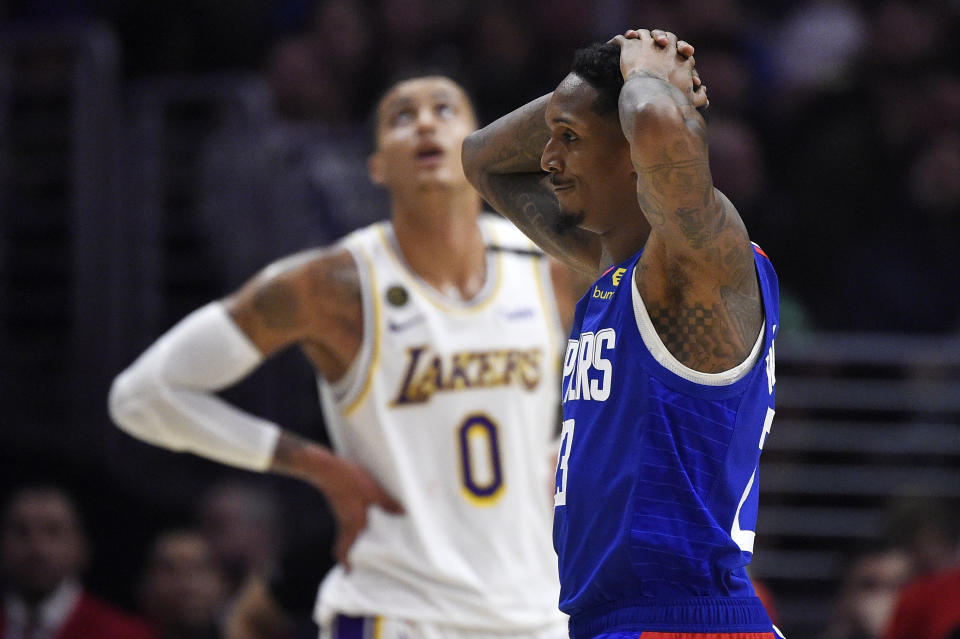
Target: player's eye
(402, 117)
(569, 136)
(445, 110)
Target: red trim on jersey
(608, 270)
(707, 635)
(760, 251)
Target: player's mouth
(560, 185)
(429, 154)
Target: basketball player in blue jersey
(436, 338)
(668, 379)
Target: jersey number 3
(563, 461)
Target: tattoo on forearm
(276, 303)
(532, 138)
(514, 143)
(525, 151)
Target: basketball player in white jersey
(436, 341)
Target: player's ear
(375, 168)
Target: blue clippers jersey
(656, 498)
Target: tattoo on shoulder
(708, 336)
(741, 297)
(336, 275)
(277, 305)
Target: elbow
(131, 405)
(125, 394)
(653, 115)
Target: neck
(440, 239)
(627, 237)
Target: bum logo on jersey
(601, 294)
(587, 373)
(428, 372)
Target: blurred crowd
(835, 124)
(185, 584)
(229, 573)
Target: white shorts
(344, 627)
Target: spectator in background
(868, 592)
(502, 32)
(312, 74)
(857, 128)
(238, 520)
(282, 605)
(258, 615)
(928, 528)
(182, 591)
(44, 551)
(928, 607)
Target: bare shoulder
(308, 297)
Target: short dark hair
(599, 65)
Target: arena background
(155, 155)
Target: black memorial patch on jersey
(397, 295)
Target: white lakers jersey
(451, 405)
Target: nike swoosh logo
(518, 314)
(405, 324)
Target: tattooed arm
(311, 300)
(502, 161)
(698, 265)
(168, 396)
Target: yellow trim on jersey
(375, 354)
(433, 296)
(377, 627)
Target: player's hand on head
(662, 53)
(352, 494)
(662, 39)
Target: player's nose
(550, 159)
(426, 120)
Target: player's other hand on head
(350, 496)
(662, 53)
